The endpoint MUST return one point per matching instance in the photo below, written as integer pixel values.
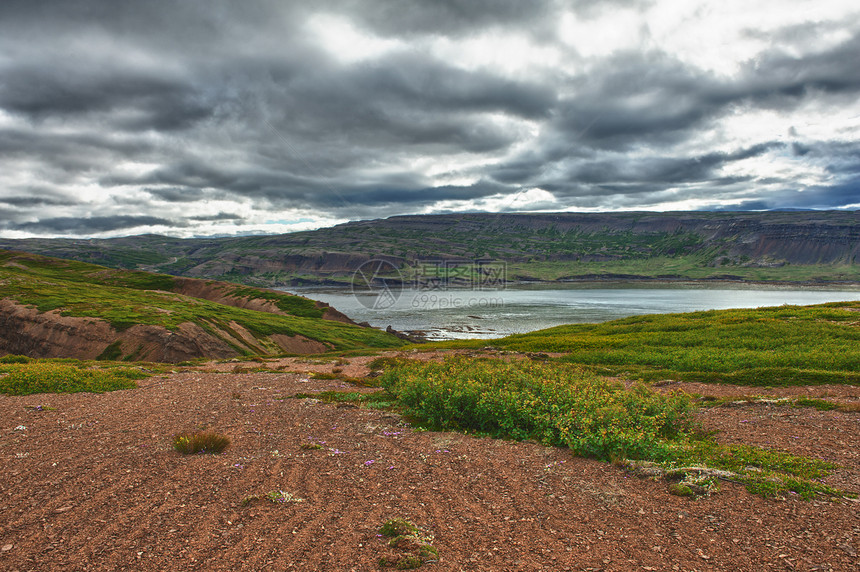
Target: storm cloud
(211, 118)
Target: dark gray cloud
(176, 194)
(664, 170)
(38, 197)
(150, 102)
(818, 198)
(287, 112)
(84, 226)
(219, 216)
(449, 17)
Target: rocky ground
(90, 482)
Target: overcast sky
(193, 118)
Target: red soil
(93, 484)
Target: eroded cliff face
(269, 260)
(793, 243)
(218, 292)
(26, 331)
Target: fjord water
(452, 314)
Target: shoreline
(451, 313)
(811, 284)
(610, 280)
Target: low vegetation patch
(410, 546)
(321, 375)
(376, 399)
(65, 376)
(275, 497)
(562, 405)
(200, 442)
(815, 403)
(113, 352)
(819, 404)
(383, 363)
(764, 471)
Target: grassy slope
(784, 345)
(126, 298)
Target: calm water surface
(523, 308)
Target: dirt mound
(298, 344)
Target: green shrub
(412, 544)
(398, 527)
(555, 404)
(13, 358)
(386, 363)
(559, 404)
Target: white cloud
(506, 52)
(721, 36)
(609, 32)
(346, 43)
(288, 116)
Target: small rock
(6, 548)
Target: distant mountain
(59, 308)
(791, 246)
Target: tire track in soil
(294, 521)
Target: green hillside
(125, 299)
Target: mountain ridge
(794, 246)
